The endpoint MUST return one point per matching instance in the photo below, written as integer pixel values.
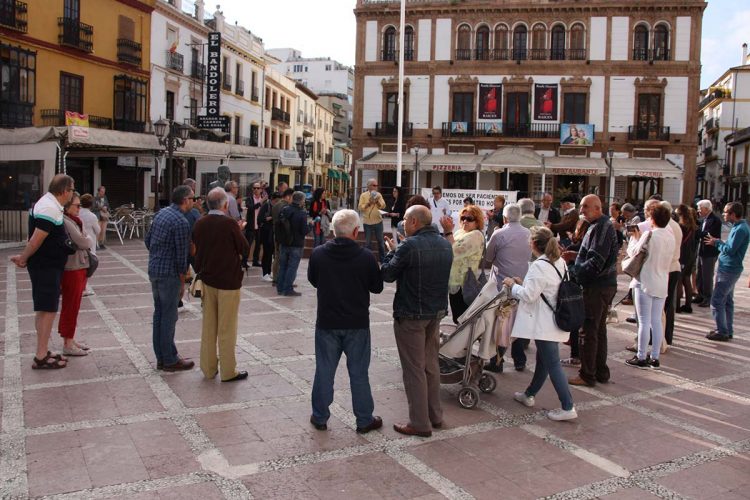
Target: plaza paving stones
(111, 426)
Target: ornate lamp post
(416, 169)
(608, 160)
(305, 151)
(172, 136)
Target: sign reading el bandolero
(545, 102)
(577, 134)
(76, 119)
(221, 122)
(490, 97)
(213, 74)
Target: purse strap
(561, 279)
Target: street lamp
(274, 164)
(172, 136)
(608, 160)
(416, 169)
(305, 151)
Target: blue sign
(577, 134)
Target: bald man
(594, 268)
(420, 267)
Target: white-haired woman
(535, 320)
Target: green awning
(345, 176)
(333, 174)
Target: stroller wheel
(468, 397)
(487, 383)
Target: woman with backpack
(535, 320)
(321, 216)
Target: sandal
(49, 362)
(74, 351)
(82, 345)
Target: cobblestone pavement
(109, 425)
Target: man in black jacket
(290, 252)
(345, 274)
(265, 234)
(546, 212)
(707, 254)
(421, 267)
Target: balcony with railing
(387, 129)
(463, 54)
(197, 70)
(226, 82)
(642, 54)
(15, 114)
(520, 54)
(76, 34)
(128, 51)
(14, 15)
(175, 61)
(389, 55)
(712, 125)
(254, 96)
(648, 133)
(239, 88)
(56, 118)
(490, 129)
(713, 96)
(538, 54)
(279, 115)
(129, 125)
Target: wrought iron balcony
(389, 55)
(482, 54)
(520, 54)
(660, 54)
(128, 51)
(175, 61)
(226, 82)
(557, 54)
(14, 15)
(129, 125)
(197, 70)
(463, 54)
(640, 54)
(716, 94)
(538, 54)
(712, 125)
(16, 114)
(490, 129)
(254, 95)
(576, 54)
(387, 129)
(499, 54)
(279, 115)
(56, 118)
(76, 34)
(239, 88)
(648, 133)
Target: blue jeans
(649, 309)
(548, 363)
(329, 344)
(376, 231)
(166, 292)
(722, 302)
(289, 258)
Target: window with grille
(574, 108)
(71, 92)
(17, 86)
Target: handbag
(632, 265)
(93, 264)
(472, 285)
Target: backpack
(283, 229)
(569, 311)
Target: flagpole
(400, 136)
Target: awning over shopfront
(660, 169)
(82, 137)
(560, 165)
(516, 160)
(334, 174)
(387, 161)
(450, 163)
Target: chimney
(219, 17)
(200, 10)
(744, 54)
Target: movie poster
(490, 97)
(545, 102)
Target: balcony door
(649, 111)
(517, 113)
(72, 10)
(71, 93)
(71, 18)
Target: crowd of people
(435, 255)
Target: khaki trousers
(276, 255)
(220, 309)
(418, 342)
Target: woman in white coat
(90, 228)
(535, 321)
(650, 288)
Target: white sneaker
(267, 278)
(88, 293)
(525, 400)
(561, 414)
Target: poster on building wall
(213, 75)
(490, 97)
(545, 102)
(577, 134)
(483, 199)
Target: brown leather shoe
(181, 366)
(437, 425)
(376, 423)
(410, 431)
(579, 381)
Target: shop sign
(79, 132)
(213, 75)
(645, 173)
(572, 171)
(452, 168)
(212, 122)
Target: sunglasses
(467, 218)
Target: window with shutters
(71, 92)
(574, 107)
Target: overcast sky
(327, 29)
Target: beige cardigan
(80, 259)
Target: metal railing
(13, 225)
(643, 54)
(386, 129)
(463, 54)
(576, 54)
(197, 70)
(14, 15)
(175, 61)
(240, 87)
(716, 94)
(126, 125)
(712, 124)
(16, 114)
(389, 55)
(489, 129)
(128, 51)
(278, 114)
(226, 82)
(640, 54)
(76, 34)
(56, 118)
(648, 133)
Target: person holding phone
(371, 202)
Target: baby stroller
(460, 361)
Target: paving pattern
(109, 425)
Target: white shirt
(676, 231)
(49, 208)
(90, 226)
(654, 277)
(439, 208)
(543, 215)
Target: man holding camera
(370, 204)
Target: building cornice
(138, 5)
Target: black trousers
(252, 235)
(593, 338)
(458, 306)
(671, 305)
(266, 239)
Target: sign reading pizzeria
(213, 73)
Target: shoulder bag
(632, 265)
